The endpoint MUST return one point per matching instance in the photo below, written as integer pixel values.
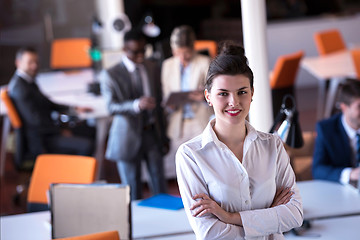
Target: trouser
(130, 171)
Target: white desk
(320, 200)
(329, 69)
(69, 88)
(324, 199)
(147, 223)
(346, 228)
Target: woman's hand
(205, 204)
(282, 196)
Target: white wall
(289, 37)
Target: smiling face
(230, 97)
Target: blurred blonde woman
(184, 71)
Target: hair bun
(231, 48)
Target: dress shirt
(345, 174)
(131, 66)
(206, 165)
(185, 86)
(25, 76)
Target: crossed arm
(205, 205)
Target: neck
(230, 134)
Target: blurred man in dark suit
(337, 146)
(42, 134)
(132, 90)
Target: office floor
(306, 99)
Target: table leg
(322, 95)
(331, 96)
(4, 137)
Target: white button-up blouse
(206, 165)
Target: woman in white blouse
(236, 182)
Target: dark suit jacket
(127, 126)
(35, 112)
(332, 151)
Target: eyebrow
(225, 90)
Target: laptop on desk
(79, 209)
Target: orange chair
(329, 41)
(21, 151)
(206, 45)
(11, 110)
(282, 79)
(355, 54)
(57, 168)
(22, 158)
(70, 53)
(109, 235)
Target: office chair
(283, 77)
(355, 54)
(109, 235)
(57, 168)
(329, 41)
(22, 157)
(70, 53)
(206, 45)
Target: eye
(223, 94)
(241, 92)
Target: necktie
(357, 149)
(138, 82)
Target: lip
(233, 112)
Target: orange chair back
(285, 70)
(11, 110)
(109, 235)
(70, 53)
(355, 54)
(329, 41)
(211, 46)
(59, 168)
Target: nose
(233, 100)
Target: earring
(209, 103)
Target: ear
(207, 95)
(17, 62)
(343, 107)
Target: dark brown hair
(349, 90)
(230, 61)
(20, 52)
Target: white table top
(323, 199)
(70, 88)
(335, 65)
(346, 228)
(320, 199)
(147, 222)
(60, 82)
